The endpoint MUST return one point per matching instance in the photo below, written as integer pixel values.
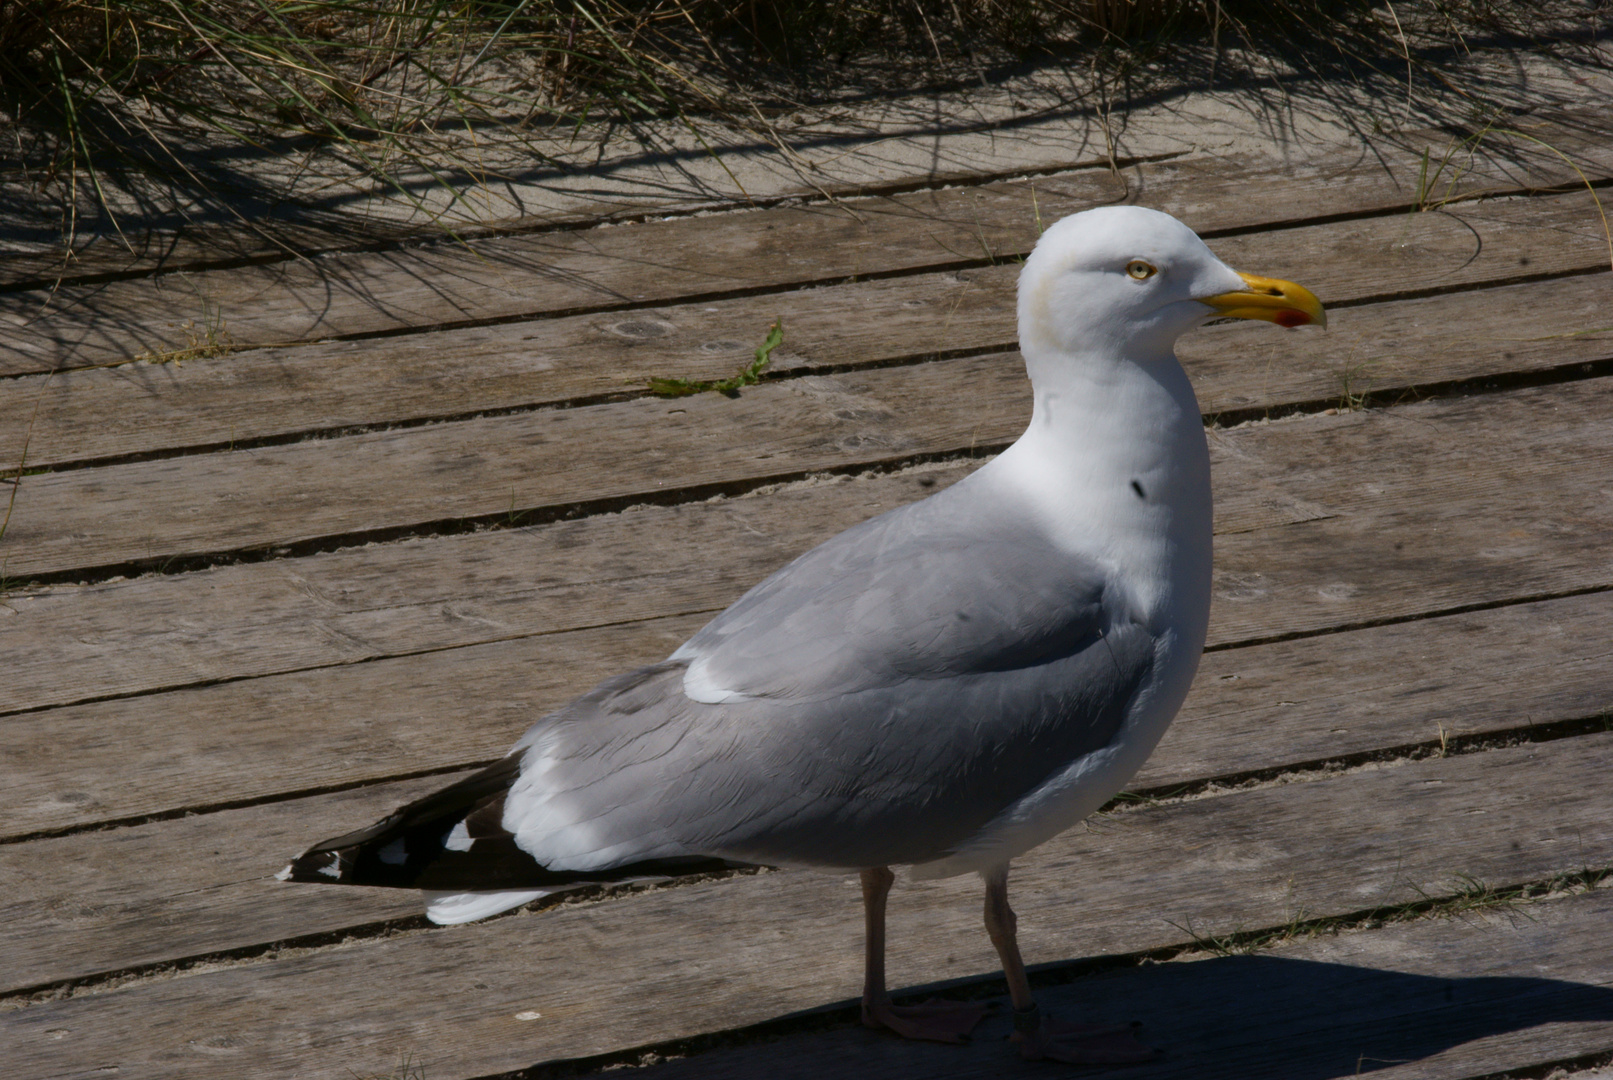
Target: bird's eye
(1141, 271)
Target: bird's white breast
(1098, 435)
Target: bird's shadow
(1243, 1016)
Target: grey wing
(880, 700)
(944, 587)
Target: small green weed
(14, 479)
(14, 482)
(1356, 379)
(1426, 181)
(1241, 941)
(211, 338)
(750, 375)
(1457, 160)
(1351, 397)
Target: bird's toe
(933, 1021)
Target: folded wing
(877, 701)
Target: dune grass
(98, 94)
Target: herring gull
(942, 687)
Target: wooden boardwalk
(250, 600)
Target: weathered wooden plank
(156, 250)
(624, 450)
(513, 277)
(1428, 539)
(203, 247)
(279, 495)
(143, 408)
(1289, 703)
(250, 739)
(1503, 163)
(789, 940)
(242, 913)
(1483, 995)
(97, 906)
(191, 248)
(1350, 487)
(1380, 348)
(1265, 707)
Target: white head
(1126, 282)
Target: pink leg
(937, 1021)
(1040, 1038)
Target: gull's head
(1125, 281)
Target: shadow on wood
(1242, 1016)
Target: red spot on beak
(1291, 319)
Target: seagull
(942, 687)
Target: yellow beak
(1271, 299)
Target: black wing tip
(326, 865)
(409, 848)
(394, 851)
(318, 866)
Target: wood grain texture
(309, 730)
(152, 407)
(1265, 707)
(203, 247)
(1420, 521)
(1502, 163)
(1436, 1000)
(142, 251)
(789, 940)
(1322, 521)
(443, 285)
(1291, 702)
(281, 679)
(280, 495)
(92, 894)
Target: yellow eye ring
(1138, 270)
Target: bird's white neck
(1115, 466)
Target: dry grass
(99, 94)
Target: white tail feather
(451, 909)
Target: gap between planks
(420, 716)
(427, 716)
(1285, 451)
(1274, 425)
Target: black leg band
(1028, 1021)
